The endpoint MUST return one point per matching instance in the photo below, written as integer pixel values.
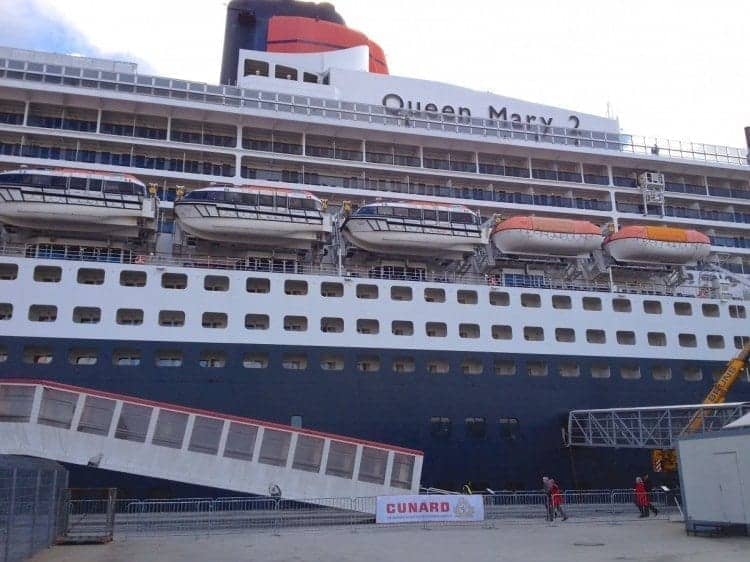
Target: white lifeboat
(66, 200)
(415, 228)
(546, 236)
(253, 216)
(657, 244)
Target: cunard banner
(408, 509)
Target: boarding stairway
(92, 428)
(655, 427)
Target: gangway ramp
(652, 427)
(126, 434)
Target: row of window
(179, 281)
(363, 362)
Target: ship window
(257, 285)
(214, 320)
(206, 435)
(661, 373)
(626, 338)
(710, 310)
(436, 329)
(295, 323)
(368, 363)
(174, 281)
(509, 428)
(630, 372)
(341, 459)
(308, 453)
(471, 366)
(658, 339)
(256, 321)
(6, 311)
(240, 441)
(82, 357)
(531, 300)
(402, 328)
(372, 465)
(652, 307)
(476, 427)
(3, 354)
(15, 403)
(621, 305)
(561, 302)
(400, 293)
(600, 371)
(740, 341)
(295, 287)
(592, 303)
(437, 366)
(367, 291)
(168, 358)
(88, 276)
(8, 271)
(683, 309)
(468, 331)
(332, 289)
(219, 283)
(536, 368)
(715, 342)
(96, 416)
(737, 311)
(170, 429)
(499, 298)
(57, 408)
(133, 278)
(467, 297)
(310, 77)
(37, 355)
(403, 364)
(294, 361)
(431, 294)
(213, 359)
(692, 374)
(285, 72)
(502, 332)
(505, 367)
(569, 370)
(687, 340)
(533, 333)
(174, 318)
(126, 358)
(565, 335)
(367, 326)
(42, 313)
(255, 360)
(47, 274)
(332, 362)
(255, 68)
(332, 325)
(132, 424)
(403, 471)
(129, 316)
(265, 200)
(596, 336)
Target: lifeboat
(546, 236)
(415, 228)
(657, 244)
(253, 216)
(80, 201)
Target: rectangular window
(216, 283)
(592, 303)
(436, 329)
(6, 311)
(431, 294)
(630, 372)
(372, 465)
(308, 454)
(8, 271)
(168, 358)
(561, 302)
(256, 321)
(367, 326)
(715, 341)
(531, 300)
(737, 311)
(368, 363)
(567, 369)
(47, 274)
(509, 428)
(565, 335)
(687, 340)
(240, 441)
(96, 416)
(600, 371)
(82, 357)
(42, 313)
(499, 298)
(621, 305)
(255, 360)
(533, 333)
(132, 424)
(661, 373)
(403, 364)
(657, 339)
(403, 471)
(331, 290)
(652, 307)
(502, 332)
(295, 323)
(217, 320)
(57, 408)
(172, 318)
(596, 336)
(274, 449)
(476, 427)
(466, 297)
(692, 374)
(174, 281)
(437, 366)
(505, 367)
(710, 310)
(341, 459)
(296, 288)
(440, 427)
(401, 293)
(87, 276)
(170, 429)
(205, 435)
(37, 355)
(294, 361)
(683, 309)
(258, 285)
(471, 366)
(367, 291)
(87, 315)
(213, 359)
(15, 403)
(133, 278)
(332, 325)
(468, 331)
(129, 316)
(626, 338)
(332, 362)
(536, 368)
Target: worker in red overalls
(557, 500)
(641, 497)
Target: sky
(667, 68)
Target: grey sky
(669, 68)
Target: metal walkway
(88, 427)
(656, 427)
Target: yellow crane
(665, 460)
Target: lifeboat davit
(546, 236)
(657, 244)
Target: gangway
(653, 427)
(92, 428)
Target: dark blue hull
(391, 407)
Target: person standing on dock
(556, 498)
(641, 497)
(547, 489)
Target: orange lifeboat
(546, 236)
(657, 244)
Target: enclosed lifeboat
(415, 228)
(80, 201)
(253, 216)
(657, 244)
(546, 236)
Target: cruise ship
(315, 242)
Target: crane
(665, 460)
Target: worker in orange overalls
(641, 497)
(557, 500)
